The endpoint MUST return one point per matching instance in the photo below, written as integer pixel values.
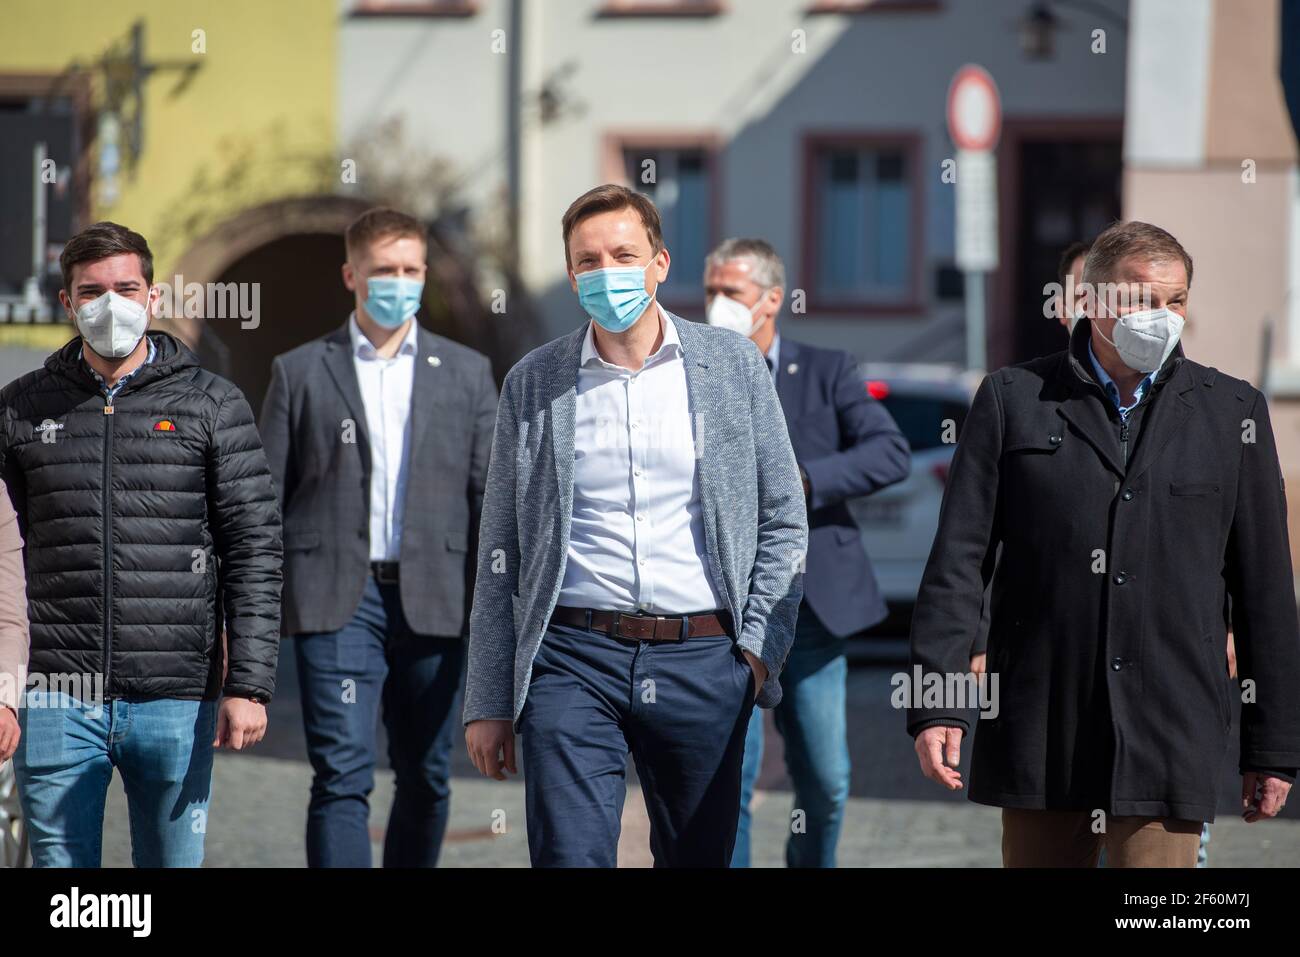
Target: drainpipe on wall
(1289, 76)
(32, 287)
(514, 132)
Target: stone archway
(210, 256)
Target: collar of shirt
(774, 355)
(363, 348)
(1112, 390)
(671, 345)
(111, 391)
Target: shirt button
(640, 518)
(1117, 664)
(1128, 495)
(640, 561)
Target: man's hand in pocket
(759, 669)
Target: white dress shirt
(636, 540)
(386, 386)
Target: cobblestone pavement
(259, 811)
(894, 818)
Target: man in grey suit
(378, 436)
(640, 560)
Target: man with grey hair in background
(846, 446)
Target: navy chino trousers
(375, 664)
(680, 708)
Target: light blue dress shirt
(1112, 390)
(774, 355)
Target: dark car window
(922, 418)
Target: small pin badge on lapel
(792, 368)
(435, 361)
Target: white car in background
(930, 404)
(13, 833)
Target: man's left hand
(1262, 795)
(759, 669)
(241, 723)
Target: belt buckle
(616, 630)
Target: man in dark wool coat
(1138, 504)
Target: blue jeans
(679, 708)
(65, 760)
(347, 676)
(812, 721)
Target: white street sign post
(974, 123)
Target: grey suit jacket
(755, 524)
(313, 426)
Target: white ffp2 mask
(112, 325)
(736, 316)
(1145, 339)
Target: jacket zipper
(108, 541)
(1123, 440)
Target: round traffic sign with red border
(974, 109)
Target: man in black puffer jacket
(151, 526)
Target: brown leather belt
(619, 624)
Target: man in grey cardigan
(640, 560)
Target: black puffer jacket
(149, 529)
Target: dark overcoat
(1122, 566)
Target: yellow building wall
(256, 123)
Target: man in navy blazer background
(846, 445)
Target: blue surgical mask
(390, 301)
(614, 297)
